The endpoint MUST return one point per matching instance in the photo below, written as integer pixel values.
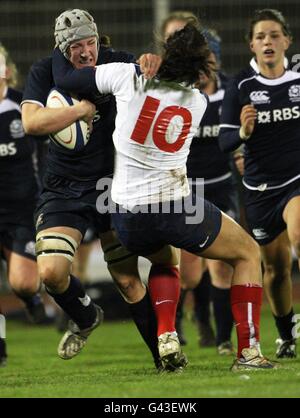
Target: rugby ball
(75, 136)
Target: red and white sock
(246, 304)
(164, 290)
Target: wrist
(243, 134)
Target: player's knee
(53, 275)
(25, 286)
(249, 250)
(276, 273)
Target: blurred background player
(67, 206)
(210, 280)
(18, 195)
(260, 111)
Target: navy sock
(222, 313)
(202, 299)
(2, 348)
(30, 301)
(285, 325)
(77, 304)
(144, 318)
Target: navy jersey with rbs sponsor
(272, 153)
(206, 160)
(97, 157)
(18, 185)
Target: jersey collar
(254, 65)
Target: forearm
(44, 121)
(229, 140)
(66, 77)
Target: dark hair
(269, 14)
(186, 55)
(105, 41)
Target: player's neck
(271, 72)
(2, 90)
(210, 88)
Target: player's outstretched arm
(68, 78)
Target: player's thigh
(277, 256)
(191, 269)
(232, 243)
(291, 216)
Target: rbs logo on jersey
(278, 115)
(7, 150)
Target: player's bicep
(29, 115)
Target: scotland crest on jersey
(16, 129)
(294, 93)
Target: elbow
(32, 127)
(222, 144)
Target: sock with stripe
(246, 304)
(164, 290)
(76, 303)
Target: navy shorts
(264, 211)
(224, 195)
(70, 203)
(19, 239)
(146, 233)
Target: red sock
(164, 289)
(246, 304)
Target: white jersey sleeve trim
(32, 101)
(226, 125)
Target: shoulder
(44, 64)
(108, 55)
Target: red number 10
(145, 120)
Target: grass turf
(115, 363)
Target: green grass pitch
(115, 363)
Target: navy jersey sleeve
(229, 137)
(39, 82)
(66, 77)
(82, 82)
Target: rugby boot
(75, 339)
(252, 359)
(171, 355)
(226, 349)
(286, 348)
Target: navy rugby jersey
(18, 183)
(96, 159)
(272, 153)
(206, 160)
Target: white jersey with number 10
(155, 124)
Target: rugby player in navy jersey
(68, 202)
(261, 110)
(155, 124)
(206, 161)
(18, 194)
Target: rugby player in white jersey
(155, 124)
